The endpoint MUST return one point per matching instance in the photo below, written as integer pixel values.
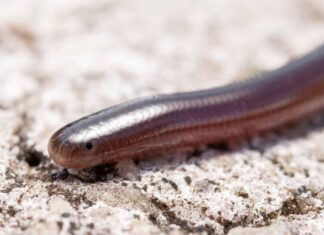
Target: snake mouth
(70, 155)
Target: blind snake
(149, 126)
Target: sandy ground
(60, 60)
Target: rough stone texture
(61, 60)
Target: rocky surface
(61, 60)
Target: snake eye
(88, 146)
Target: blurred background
(74, 57)
(61, 60)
